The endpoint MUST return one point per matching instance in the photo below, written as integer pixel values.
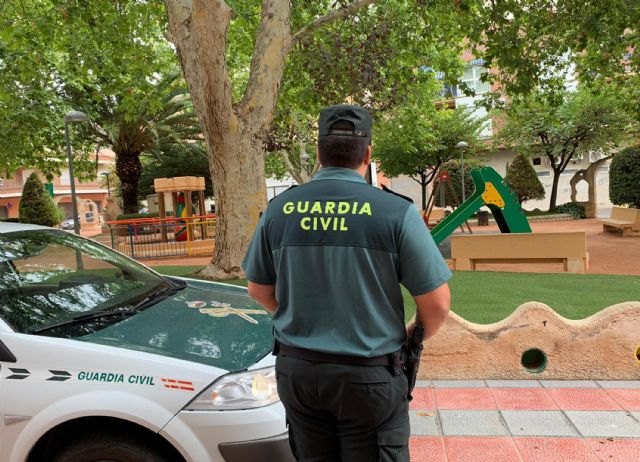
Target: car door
(7, 368)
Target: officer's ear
(367, 156)
(318, 156)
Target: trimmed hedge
(573, 209)
(523, 180)
(10, 220)
(36, 205)
(624, 177)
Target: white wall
(499, 160)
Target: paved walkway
(525, 421)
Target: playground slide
(492, 191)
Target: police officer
(327, 259)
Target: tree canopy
(624, 178)
(36, 206)
(533, 42)
(416, 139)
(108, 59)
(523, 181)
(582, 122)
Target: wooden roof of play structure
(179, 184)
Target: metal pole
(462, 173)
(74, 204)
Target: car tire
(101, 447)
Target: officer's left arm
(265, 295)
(423, 271)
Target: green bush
(573, 209)
(36, 206)
(624, 177)
(523, 181)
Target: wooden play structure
(183, 234)
(567, 248)
(625, 219)
(180, 189)
(537, 343)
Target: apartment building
(92, 195)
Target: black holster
(413, 349)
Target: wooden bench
(567, 248)
(625, 219)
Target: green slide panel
(492, 191)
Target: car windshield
(49, 277)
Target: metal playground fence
(164, 237)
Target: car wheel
(100, 447)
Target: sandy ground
(609, 253)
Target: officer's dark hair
(342, 150)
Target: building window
(545, 173)
(471, 77)
(448, 91)
(537, 161)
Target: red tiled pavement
(472, 449)
(427, 449)
(554, 450)
(464, 398)
(629, 399)
(532, 399)
(616, 450)
(583, 399)
(422, 399)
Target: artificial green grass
(487, 297)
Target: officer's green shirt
(337, 250)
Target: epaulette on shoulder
(288, 189)
(385, 189)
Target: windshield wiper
(146, 302)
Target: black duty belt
(393, 359)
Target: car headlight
(242, 390)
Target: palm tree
(153, 129)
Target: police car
(101, 358)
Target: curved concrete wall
(605, 346)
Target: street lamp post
(462, 147)
(106, 175)
(73, 117)
(304, 160)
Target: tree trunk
(554, 191)
(240, 192)
(235, 132)
(424, 195)
(128, 169)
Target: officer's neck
(362, 170)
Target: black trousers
(340, 413)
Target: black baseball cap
(358, 116)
